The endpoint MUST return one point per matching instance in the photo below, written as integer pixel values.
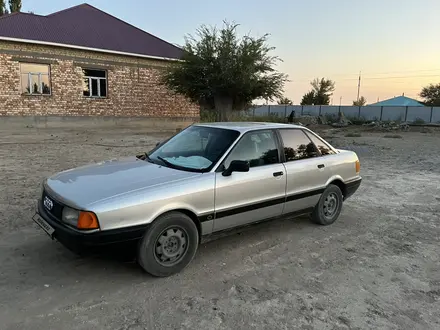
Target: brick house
(84, 62)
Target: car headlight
(70, 216)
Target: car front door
(305, 169)
(245, 197)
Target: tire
(169, 245)
(326, 213)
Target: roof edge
(99, 50)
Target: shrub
(419, 121)
(353, 135)
(393, 136)
(357, 120)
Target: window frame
(29, 79)
(284, 161)
(221, 165)
(98, 79)
(322, 141)
(216, 163)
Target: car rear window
(297, 145)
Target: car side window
(297, 145)
(323, 148)
(258, 148)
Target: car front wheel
(329, 206)
(169, 245)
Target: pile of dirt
(388, 126)
(342, 121)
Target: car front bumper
(83, 242)
(351, 187)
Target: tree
(285, 100)
(431, 95)
(361, 102)
(320, 94)
(14, 6)
(3, 10)
(221, 72)
(308, 98)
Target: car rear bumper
(95, 242)
(352, 187)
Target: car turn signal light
(87, 220)
(358, 166)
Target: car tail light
(358, 166)
(87, 220)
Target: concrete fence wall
(409, 114)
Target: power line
(378, 73)
(377, 78)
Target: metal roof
(89, 27)
(399, 101)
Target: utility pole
(340, 101)
(359, 86)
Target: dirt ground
(377, 267)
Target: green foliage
(357, 120)
(331, 118)
(361, 102)
(419, 121)
(222, 72)
(3, 9)
(431, 95)
(308, 98)
(353, 135)
(393, 136)
(14, 6)
(208, 116)
(285, 101)
(320, 94)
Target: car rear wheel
(329, 206)
(169, 245)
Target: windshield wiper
(145, 156)
(177, 167)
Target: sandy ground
(377, 267)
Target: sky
(394, 44)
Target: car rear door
(246, 197)
(305, 168)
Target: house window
(35, 79)
(94, 83)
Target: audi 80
(206, 179)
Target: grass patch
(393, 136)
(353, 135)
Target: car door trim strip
(259, 205)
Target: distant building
(82, 61)
(399, 101)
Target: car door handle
(278, 174)
(321, 166)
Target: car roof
(247, 126)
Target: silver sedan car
(204, 180)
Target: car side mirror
(157, 144)
(237, 166)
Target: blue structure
(399, 101)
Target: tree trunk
(223, 107)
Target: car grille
(57, 208)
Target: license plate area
(48, 229)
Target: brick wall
(133, 85)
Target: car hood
(86, 185)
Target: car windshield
(196, 148)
